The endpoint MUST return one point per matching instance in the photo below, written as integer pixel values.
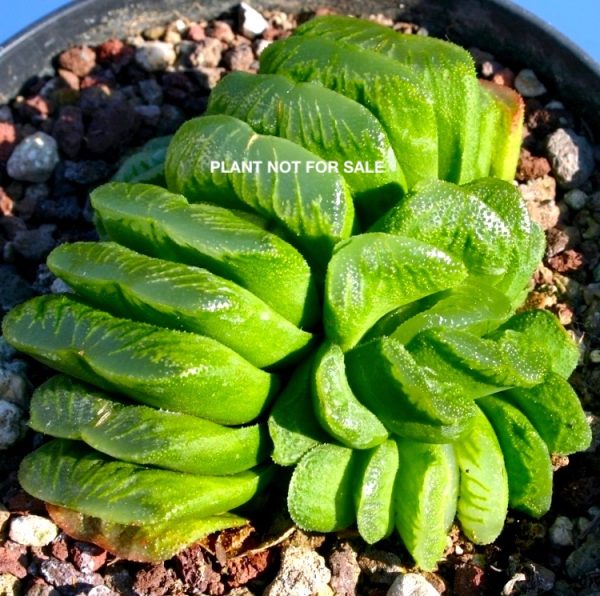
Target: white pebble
(576, 199)
(154, 56)
(32, 530)
(411, 584)
(561, 531)
(4, 516)
(34, 158)
(9, 585)
(11, 424)
(252, 22)
(528, 85)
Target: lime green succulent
(335, 265)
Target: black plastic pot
(499, 26)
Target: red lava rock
(469, 580)
(542, 121)
(197, 573)
(345, 570)
(70, 79)
(557, 241)
(8, 140)
(115, 52)
(196, 32)
(531, 166)
(68, 131)
(505, 77)
(243, 569)
(13, 559)
(208, 53)
(112, 128)
(239, 58)
(59, 548)
(6, 203)
(88, 557)
(570, 260)
(79, 60)
(221, 30)
(154, 581)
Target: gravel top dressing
(69, 133)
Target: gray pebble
(252, 23)
(32, 530)
(12, 424)
(154, 56)
(6, 114)
(528, 85)
(58, 286)
(61, 573)
(14, 387)
(586, 558)
(34, 158)
(561, 532)
(411, 584)
(571, 157)
(303, 573)
(576, 199)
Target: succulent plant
(369, 313)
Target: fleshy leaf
(372, 274)
(483, 488)
(555, 411)
(447, 69)
(175, 370)
(71, 475)
(320, 495)
(409, 399)
(293, 425)
(316, 210)
(150, 543)
(394, 93)
(525, 455)
(65, 408)
(543, 331)
(146, 165)
(375, 495)
(230, 244)
(336, 407)
(426, 496)
(332, 126)
(178, 296)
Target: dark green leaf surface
(425, 499)
(483, 491)
(71, 475)
(230, 244)
(409, 399)
(372, 274)
(337, 408)
(320, 495)
(326, 123)
(525, 455)
(168, 369)
(65, 408)
(316, 209)
(446, 69)
(293, 426)
(147, 165)
(178, 296)
(555, 411)
(394, 93)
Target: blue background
(577, 19)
